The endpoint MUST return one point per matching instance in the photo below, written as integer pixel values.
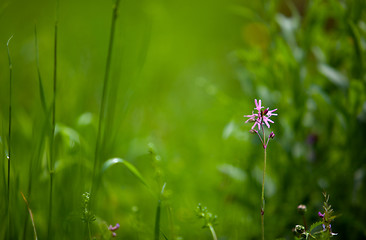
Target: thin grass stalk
(157, 217)
(9, 132)
(31, 216)
(157, 221)
(37, 152)
(51, 150)
(95, 176)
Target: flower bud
(301, 209)
(271, 135)
(299, 230)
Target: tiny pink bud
(114, 234)
(271, 135)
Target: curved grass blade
(111, 162)
(31, 216)
(157, 218)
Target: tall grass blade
(96, 175)
(37, 150)
(157, 218)
(41, 89)
(112, 162)
(31, 216)
(9, 132)
(51, 150)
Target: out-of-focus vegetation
(183, 74)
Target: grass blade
(9, 132)
(31, 216)
(41, 89)
(98, 144)
(157, 218)
(111, 162)
(51, 150)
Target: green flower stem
(90, 237)
(212, 232)
(264, 175)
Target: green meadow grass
(131, 112)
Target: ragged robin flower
(260, 117)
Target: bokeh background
(183, 74)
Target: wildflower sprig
(209, 219)
(86, 216)
(261, 117)
(313, 232)
(327, 217)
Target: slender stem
(104, 96)
(9, 132)
(260, 137)
(263, 201)
(212, 232)
(304, 220)
(51, 150)
(90, 237)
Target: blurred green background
(183, 74)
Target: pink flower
(111, 228)
(258, 106)
(261, 117)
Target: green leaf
(333, 75)
(112, 162)
(314, 225)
